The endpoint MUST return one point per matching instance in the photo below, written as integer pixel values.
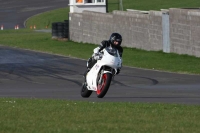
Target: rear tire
(104, 86)
(85, 92)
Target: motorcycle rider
(114, 41)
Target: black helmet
(115, 37)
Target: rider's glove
(96, 50)
(97, 56)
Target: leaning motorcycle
(98, 79)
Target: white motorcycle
(98, 79)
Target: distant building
(91, 5)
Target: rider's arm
(96, 51)
(100, 47)
(103, 44)
(120, 49)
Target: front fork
(100, 77)
(101, 74)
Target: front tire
(104, 86)
(85, 92)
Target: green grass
(152, 4)
(47, 18)
(161, 61)
(60, 116)
(29, 39)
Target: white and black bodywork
(98, 79)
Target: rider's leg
(90, 63)
(88, 66)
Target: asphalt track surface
(29, 74)
(15, 12)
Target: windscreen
(112, 51)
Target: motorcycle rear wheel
(85, 92)
(104, 86)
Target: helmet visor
(118, 42)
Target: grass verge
(152, 4)
(33, 115)
(47, 18)
(29, 39)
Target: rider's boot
(84, 76)
(85, 73)
(88, 67)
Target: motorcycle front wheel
(85, 92)
(103, 87)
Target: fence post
(166, 32)
(121, 5)
(106, 6)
